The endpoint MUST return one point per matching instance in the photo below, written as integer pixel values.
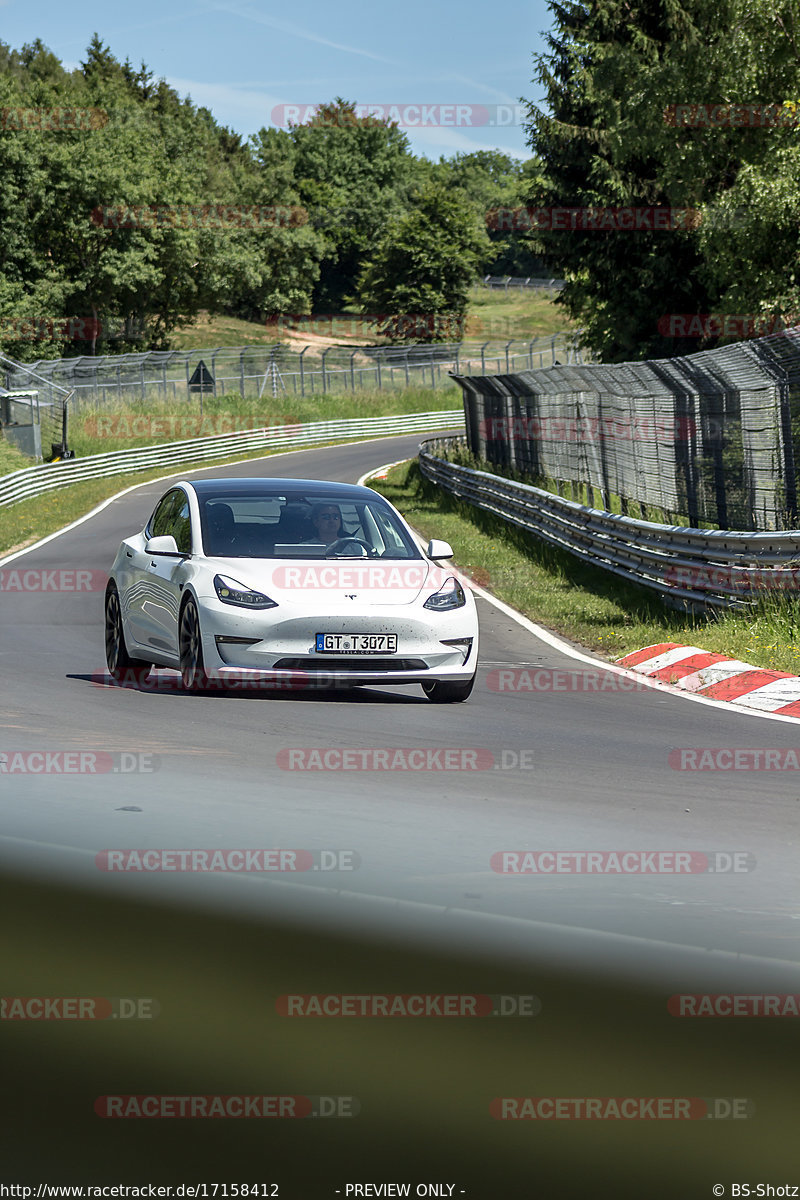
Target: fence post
(214, 372)
(352, 371)
(302, 378)
(324, 353)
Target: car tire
(121, 666)
(190, 643)
(443, 692)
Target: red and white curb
(717, 677)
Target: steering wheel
(343, 541)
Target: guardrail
(35, 481)
(692, 568)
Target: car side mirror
(163, 545)
(439, 549)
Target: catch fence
(259, 371)
(512, 282)
(712, 438)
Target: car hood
(314, 582)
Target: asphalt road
(574, 771)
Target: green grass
(11, 459)
(118, 426)
(588, 606)
(521, 313)
(491, 315)
(216, 329)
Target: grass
(522, 313)
(11, 459)
(492, 314)
(118, 426)
(586, 605)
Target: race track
(593, 773)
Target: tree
(611, 72)
(353, 174)
(422, 268)
(145, 148)
(495, 182)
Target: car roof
(261, 486)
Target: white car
(288, 582)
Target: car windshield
(301, 525)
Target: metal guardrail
(692, 568)
(35, 481)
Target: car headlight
(450, 595)
(230, 591)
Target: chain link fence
(513, 282)
(712, 439)
(257, 371)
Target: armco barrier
(35, 481)
(692, 568)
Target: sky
(455, 70)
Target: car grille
(343, 663)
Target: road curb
(717, 677)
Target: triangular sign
(202, 377)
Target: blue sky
(245, 58)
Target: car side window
(161, 520)
(181, 525)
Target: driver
(327, 521)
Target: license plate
(356, 643)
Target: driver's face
(328, 523)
